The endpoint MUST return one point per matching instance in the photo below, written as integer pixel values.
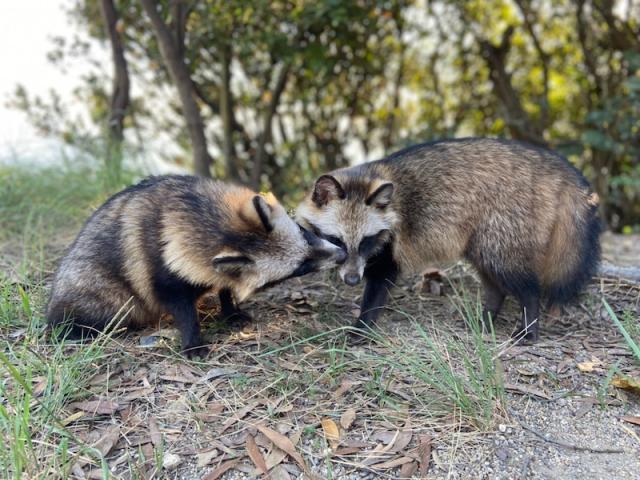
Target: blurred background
(271, 93)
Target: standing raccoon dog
(157, 246)
(523, 216)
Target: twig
(569, 445)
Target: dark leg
(493, 299)
(179, 299)
(381, 273)
(530, 321)
(229, 312)
(185, 315)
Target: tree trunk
(390, 129)
(265, 137)
(120, 98)
(390, 132)
(520, 125)
(182, 79)
(530, 19)
(226, 113)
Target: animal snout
(352, 279)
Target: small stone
(171, 461)
(150, 341)
(502, 454)
(502, 427)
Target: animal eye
(335, 240)
(371, 244)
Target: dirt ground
(293, 394)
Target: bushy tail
(577, 243)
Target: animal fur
(522, 215)
(157, 246)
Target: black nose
(352, 279)
(341, 257)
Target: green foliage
(41, 208)
(629, 328)
(364, 78)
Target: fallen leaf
(105, 443)
(331, 432)
(73, 417)
(255, 455)
(634, 420)
(626, 383)
(40, 386)
(77, 471)
(392, 463)
(178, 378)
(154, 432)
(217, 372)
(589, 366)
(239, 415)
(352, 442)
(287, 365)
(284, 444)
(563, 366)
(424, 454)
(344, 386)
(526, 390)
(137, 393)
(279, 473)
(205, 458)
(375, 455)
(97, 407)
(347, 418)
(404, 438)
(276, 455)
(408, 469)
(284, 409)
(212, 413)
(221, 470)
(347, 451)
(101, 378)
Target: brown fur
(158, 245)
(513, 210)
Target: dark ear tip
(327, 188)
(264, 211)
(381, 197)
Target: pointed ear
(327, 188)
(258, 211)
(381, 196)
(230, 264)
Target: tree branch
(182, 80)
(265, 136)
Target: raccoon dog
(157, 246)
(523, 216)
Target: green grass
(440, 373)
(464, 372)
(447, 373)
(629, 327)
(40, 210)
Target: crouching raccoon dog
(157, 246)
(523, 216)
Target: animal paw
(195, 351)
(526, 337)
(238, 320)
